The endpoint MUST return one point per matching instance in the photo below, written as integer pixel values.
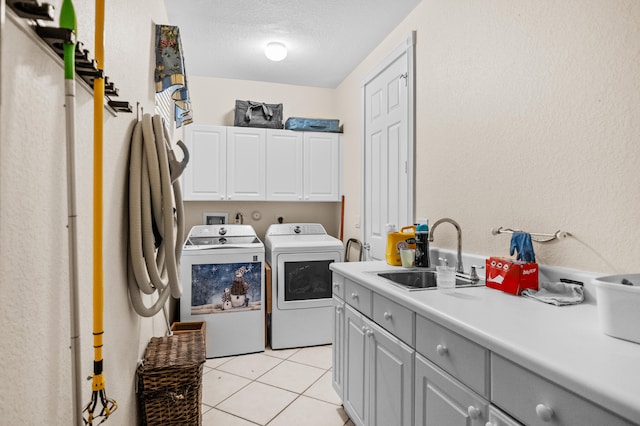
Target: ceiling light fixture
(275, 51)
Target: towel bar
(535, 236)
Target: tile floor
(275, 388)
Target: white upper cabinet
(205, 177)
(242, 163)
(322, 166)
(284, 165)
(246, 163)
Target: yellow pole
(98, 394)
(98, 277)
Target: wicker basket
(170, 380)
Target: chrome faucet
(459, 267)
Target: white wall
(527, 117)
(36, 383)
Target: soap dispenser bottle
(422, 246)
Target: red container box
(511, 276)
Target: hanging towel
(521, 243)
(558, 294)
(170, 71)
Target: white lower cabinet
(442, 400)
(378, 382)
(498, 418)
(337, 367)
(407, 369)
(536, 401)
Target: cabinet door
(284, 165)
(442, 400)
(337, 368)
(246, 150)
(391, 388)
(498, 418)
(322, 166)
(205, 177)
(356, 378)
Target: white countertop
(563, 344)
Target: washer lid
(222, 236)
(223, 230)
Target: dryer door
(304, 279)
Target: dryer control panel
(296, 229)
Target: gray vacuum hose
(155, 198)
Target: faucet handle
(473, 274)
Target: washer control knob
(222, 231)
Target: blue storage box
(312, 124)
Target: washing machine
(222, 275)
(299, 255)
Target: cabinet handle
(368, 333)
(339, 309)
(354, 295)
(474, 412)
(336, 285)
(488, 424)
(442, 350)
(544, 413)
(387, 316)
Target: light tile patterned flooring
(276, 388)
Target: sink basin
(420, 279)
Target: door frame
(408, 196)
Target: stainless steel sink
(421, 279)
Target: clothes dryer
(301, 296)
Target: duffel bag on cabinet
(258, 114)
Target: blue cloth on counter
(521, 243)
(558, 294)
(170, 71)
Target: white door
(391, 379)
(321, 166)
(284, 165)
(205, 178)
(442, 400)
(246, 159)
(388, 149)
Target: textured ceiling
(326, 39)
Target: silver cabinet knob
(442, 350)
(474, 412)
(544, 413)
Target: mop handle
(98, 276)
(68, 21)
